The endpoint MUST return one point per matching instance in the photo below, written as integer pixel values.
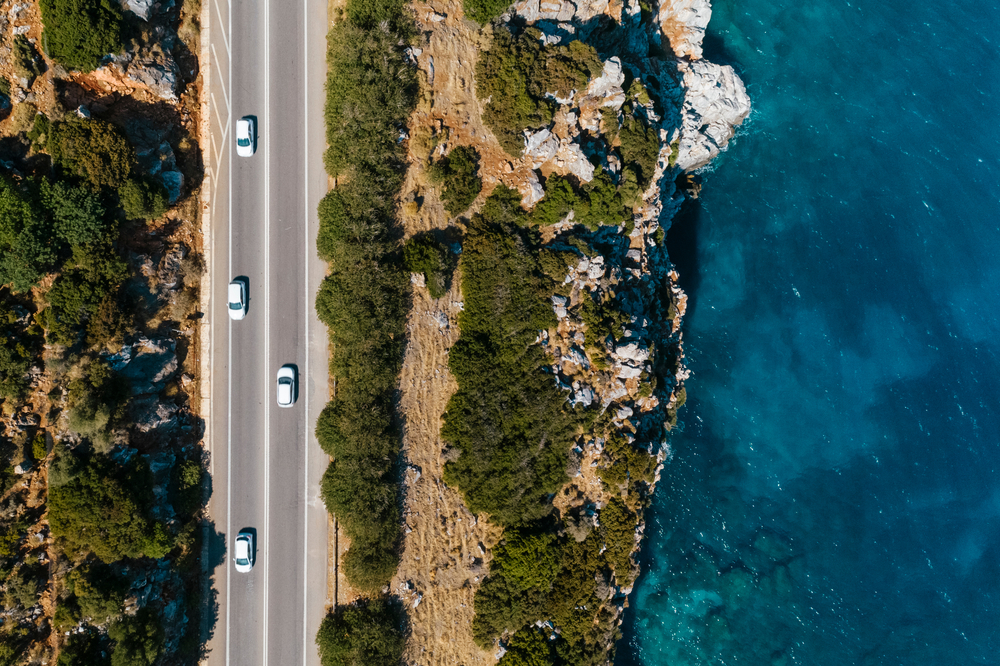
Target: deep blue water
(834, 497)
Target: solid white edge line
(305, 264)
(267, 314)
(229, 362)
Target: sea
(833, 495)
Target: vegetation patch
(593, 204)
(368, 633)
(519, 75)
(79, 33)
(458, 176)
(508, 419)
(428, 256)
(365, 296)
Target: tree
(137, 640)
(458, 174)
(79, 33)
(93, 149)
(142, 199)
(105, 509)
(367, 633)
(527, 647)
(528, 560)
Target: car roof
(242, 545)
(235, 290)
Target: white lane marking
(229, 364)
(225, 93)
(225, 39)
(267, 313)
(305, 264)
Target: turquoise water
(834, 497)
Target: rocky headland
(614, 346)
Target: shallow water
(833, 497)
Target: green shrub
(369, 95)
(142, 199)
(367, 633)
(104, 508)
(136, 640)
(79, 33)
(77, 214)
(484, 11)
(86, 648)
(99, 592)
(528, 647)
(27, 240)
(96, 401)
(508, 419)
(640, 148)
(594, 204)
(186, 487)
(371, 14)
(458, 174)
(93, 274)
(425, 254)
(38, 448)
(626, 466)
(92, 149)
(515, 74)
(528, 560)
(618, 524)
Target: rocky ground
(446, 550)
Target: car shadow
(245, 281)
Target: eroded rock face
(156, 71)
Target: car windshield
(235, 306)
(243, 142)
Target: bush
(105, 509)
(508, 419)
(92, 149)
(425, 254)
(640, 148)
(367, 633)
(79, 33)
(484, 11)
(458, 174)
(99, 592)
(528, 561)
(142, 199)
(27, 241)
(515, 74)
(186, 487)
(38, 448)
(618, 524)
(370, 92)
(527, 647)
(92, 275)
(136, 640)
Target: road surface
(266, 58)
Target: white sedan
(237, 300)
(244, 555)
(246, 136)
(286, 386)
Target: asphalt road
(266, 59)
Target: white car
(286, 386)
(244, 555)
(237, 301)
(246, 136)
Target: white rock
(540, 146)
(683, 23)
(534, 192)
(632, 352)
(628, 372)
(624, 413)
(715, 102)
